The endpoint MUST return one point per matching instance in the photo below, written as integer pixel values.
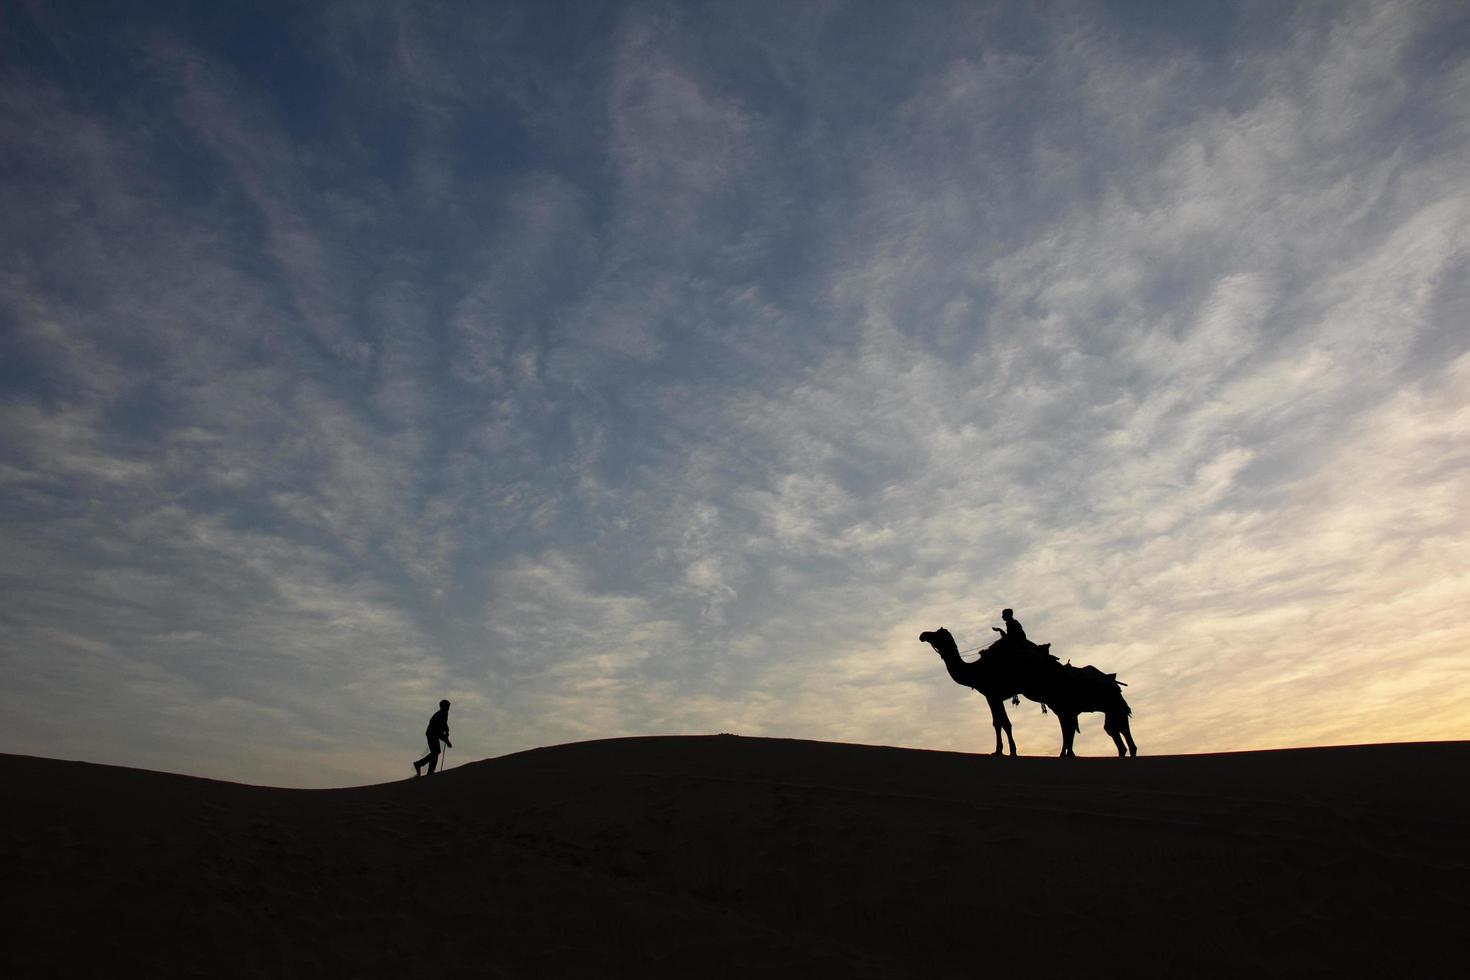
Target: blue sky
(624, 369)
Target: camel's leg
(1128, 734)
(1112, 727)
(1002, 722)
(1069, 728)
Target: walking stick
(444, 762)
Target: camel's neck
(960, 671)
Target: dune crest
(725, 856)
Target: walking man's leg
(431, 760)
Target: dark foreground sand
(738, 857)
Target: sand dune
(738, 857)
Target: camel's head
(939, 639)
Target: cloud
(671, 370)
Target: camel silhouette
(1007, 669)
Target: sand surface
(740, 857)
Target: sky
(627, 369)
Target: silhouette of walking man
(438, 728)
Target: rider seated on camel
(1013, 631)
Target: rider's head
(444, 704)
(1005, 614)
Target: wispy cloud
(671, 370)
